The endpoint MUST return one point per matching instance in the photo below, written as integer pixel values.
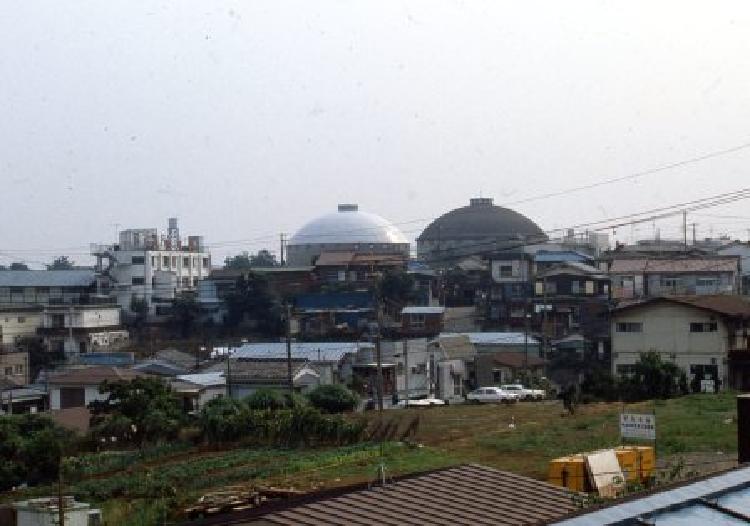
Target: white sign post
(634, 425)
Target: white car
(523, 393)
(421, 402)
(492, 395)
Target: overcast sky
(245, 119)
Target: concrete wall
(18, 324)
(666, 330)
(14, 366)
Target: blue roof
(313, 351)
(681, 505)
(46, 278)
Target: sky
(246, 119)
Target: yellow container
(637, 462)
(569, 472)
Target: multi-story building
(151, 267)
(79, 329)
(46, 287)
(706, 336)
(17, 323)
(14, 367)
(634, 278)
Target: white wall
(15, 324)
(666, 330)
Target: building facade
(152, 268)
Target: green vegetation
(333, 398)
(138, 411)
(30, 450)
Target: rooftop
(470, 494)
(493, 338)
(422, 310)
(724, 304)
(313, 351)
(676, 265)
(92, 375)
(348, 225)
(259, 370)
(46, 278)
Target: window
(670, 283)
(153, 261)
(185, 262)
(710, 326)
(707, 282)
(416, 321)
(185, 281)
(629, 326)
(138, 260)
(165, 261)
(539, 288)
(8, 371)
(205, 262)
(575, 287)
(19, 369)
(589, 287)
(174, 261)
(551, 287)
(21, 319)
(138, 280)
(505, 271)
(497, 376)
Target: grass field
(141, 487)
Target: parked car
(523, 393)
(429, 401)
(492, 395)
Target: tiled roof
(46, 278)
(517, 359)
(258, 370)
(93, 375)
(475, 495)
(728, 305)
(625, 266)
(204, 379)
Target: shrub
(265, 398)
(333, 398)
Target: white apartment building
(152, 267)
(79, 329)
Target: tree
(143, 410)
(18, 266)
(39, 356)
(253, 301)
(334, 398)
(31, 447)
(396, 287)
(185, 313)
(61, 263)
(246, 261)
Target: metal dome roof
(481, 219)
(348, 225)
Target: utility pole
(281, 239)
(526, 339)
(290, 380)
(684, 228)
(60, 499)
(694, 238)
(406, 369)
(229, 372)
(379, 358)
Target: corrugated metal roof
(626, 266)
(46, 278)
(493, 338)
(204, 379)
(422, 310)
(475, 495)
(313, 351)
(659, 507)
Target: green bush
(265, 398)
(333, 398)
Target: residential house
(48, 287)
(738, 248)
(506, 367)
(468, 494)
(334, 313)
(17, 323)
(706, 336)
(17, 400)
(510, 289)
(356, 267)
(421, 321)
(489, 342)
(635, 278)
(79, 386)
(14, 367)
(573, 299)
(78, 329)
(150, 267)
(244, 376)
(196, 390)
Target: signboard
(633, 425)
